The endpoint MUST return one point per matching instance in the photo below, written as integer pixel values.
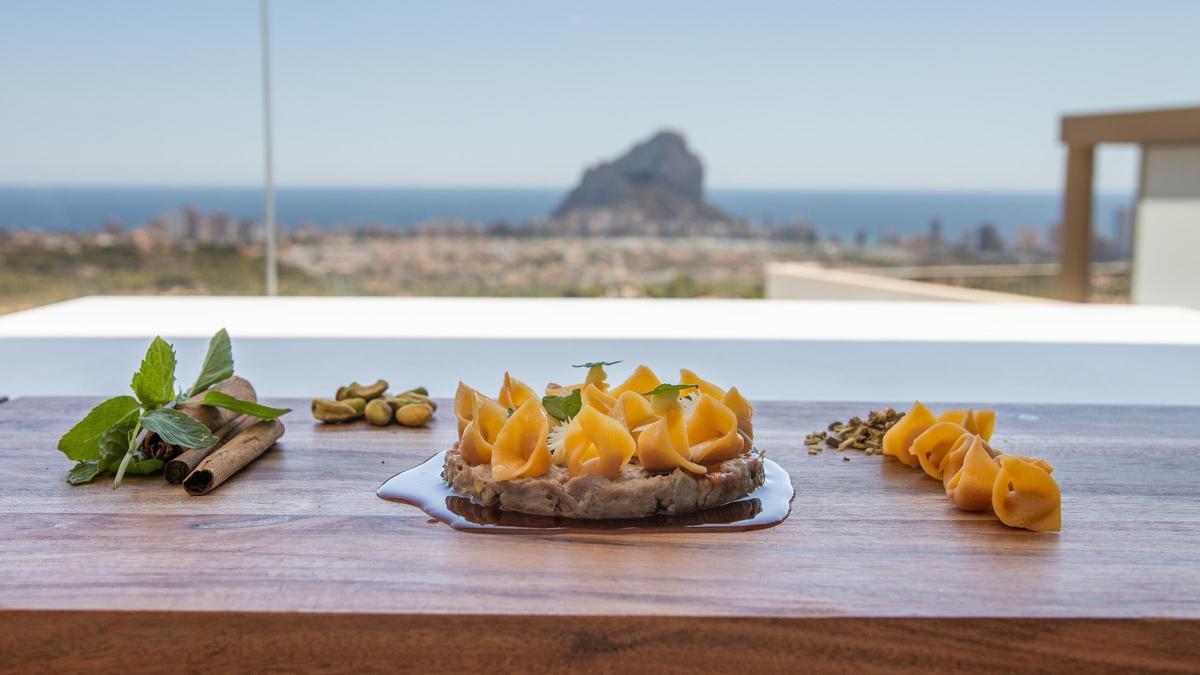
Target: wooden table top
(874, 569)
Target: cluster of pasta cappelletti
(953, 448)
(641, 420)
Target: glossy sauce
(422, 486)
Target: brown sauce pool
(422, 486)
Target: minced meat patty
(636, 494)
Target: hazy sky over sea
(933, 95)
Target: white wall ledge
(538, 318)
(790, 350)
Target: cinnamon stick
(185, 462)
(227, 460)
(210, 416)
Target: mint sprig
(177, 428)
(669, 389)
(107, 439)
(222, 400)
(82, 442)
(154, 381)
(563, 408)
(218, 364)
(593, 364)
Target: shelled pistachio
(359, 405)
(414, 414)
(373, 402)
(326, 410)
(379, 412)
(368, 391)
(410, 397)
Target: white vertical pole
(268, 174)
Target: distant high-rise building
(220, 229)
(249, 231)
(988, 239)
(935, 233)
(193, 223)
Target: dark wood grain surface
(874, 570)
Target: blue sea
(831, 211)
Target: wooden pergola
(1082, 133)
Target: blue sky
(896, 95)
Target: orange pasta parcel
(1025, 495)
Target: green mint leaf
(593, 364)
(218, 363)
(142, 467)
(177, 428)
(115, 443)
(669, 388)
(563, 407)
(154, 382)
(83, 472)
(82, 442)
(222, 400)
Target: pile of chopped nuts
(855, 433)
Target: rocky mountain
(655, 188)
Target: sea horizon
(876, 212)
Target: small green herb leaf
(593, 364)
(154, 382)
(83, 472)
(222, 400)
(669, 388)
(563, 407)
(177, 428)
(141, 467)
(82, 442)
(115, 443)
(218, 363)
